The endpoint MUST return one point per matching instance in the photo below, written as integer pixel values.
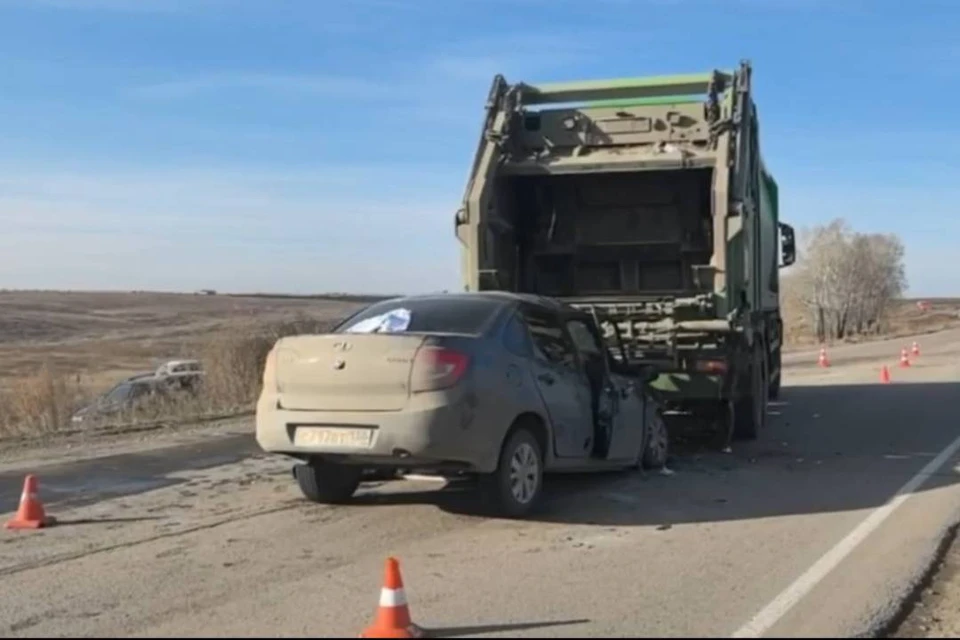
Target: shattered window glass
(549, 341)
(393, 321)
(583, 338)
(440, 314)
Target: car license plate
(332, 437)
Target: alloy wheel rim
(658, 440)
(524, 472)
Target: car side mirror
(788, 245)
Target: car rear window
(119, 393)
(424, 315)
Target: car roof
(140, 377)
(174, 363)
(506, 297)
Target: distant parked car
(138, 393)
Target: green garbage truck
(647, 199)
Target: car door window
(584, 339)
(550, 343)
(140, 392)
(516, 338)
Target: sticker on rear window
(394, 321)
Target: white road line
(782, 604)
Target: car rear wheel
(515, 487)
(327, 482)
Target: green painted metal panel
(626, 103)
(618, 88)
(769, 237)
(772, 195)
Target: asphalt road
(817, 529)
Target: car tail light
(711, 366)
(438, 368)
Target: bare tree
(846, 280)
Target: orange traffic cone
(822, 360)
(31, 514)
(393, 615)
(904, 358)
(916, 349)
(884, 375)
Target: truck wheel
(775, 387)
(514, 488)
(750, 411)
(775, 381)
(326, 482)
(657, 444)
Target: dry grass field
(904, 320)
(59, 349)
(103, 336)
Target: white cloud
(519, 53)
(306, 260)
(316, 229)
(327, 86)
(462, 71)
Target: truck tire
(750, 411)
(774, 389)
(326, 482)
(514, 489)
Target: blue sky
(309, 146)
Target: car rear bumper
(439, 437)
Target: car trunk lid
(346, 372)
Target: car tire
(656, 447)
(514, 489)
(326, 482)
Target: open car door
(619, 409)
(632, 381)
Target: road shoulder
(935, 609)
(76, 447)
